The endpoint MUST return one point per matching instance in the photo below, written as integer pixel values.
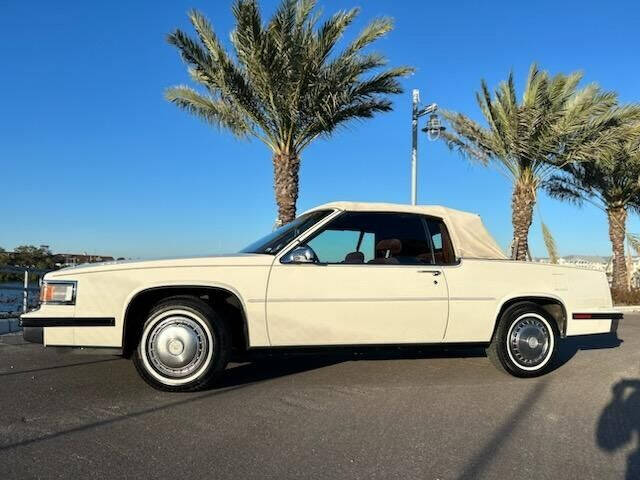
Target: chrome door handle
(435, 273)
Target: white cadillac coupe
(340, 274)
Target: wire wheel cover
(177, 346)
(529, 341)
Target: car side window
(442, 247)
(373, 238)
(333, 246)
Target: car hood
(237, 259)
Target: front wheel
(184, 345)
(525, 340)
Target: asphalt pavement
(408, 413)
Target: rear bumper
(598, 316)
(614, 326)
(586, 323)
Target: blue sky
(93, 159)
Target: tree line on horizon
(284, 83)
(33, 257)
(26, 256)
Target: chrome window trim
(300, 238)
(337, 212)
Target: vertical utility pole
(25, 292)
(433, 130)
(414, 147)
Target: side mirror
(300, 254)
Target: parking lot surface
(408, 413)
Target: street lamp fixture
(433, 129)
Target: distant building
(602, 264)
(73, 259)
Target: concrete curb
(9, 325)
(627, 308)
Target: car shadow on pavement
(57, 367)
(280, 363)
(623, 412)
(269, 369)
(569, 346)
(268, 366)
(618, 422)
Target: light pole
(433, 129)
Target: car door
(374, 281)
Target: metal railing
(24, 273)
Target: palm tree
(284, 83)
(612, 182)
(555, 123)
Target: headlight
(58, 293)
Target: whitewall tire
(525, 340)
(184, 345)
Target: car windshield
(279, 238)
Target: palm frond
(565, 187)
(214, 111)
(555, 126)
(633, 240)
(304, 8)
(549, 243)
(284, 78)
(607, 169)
(470, 138)
(378, 28)
(332, 30)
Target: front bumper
(67, 321)
(33, 334)
(33, 327)
(65, 331)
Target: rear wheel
(184, 345)
(525, 340)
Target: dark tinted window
(375, 238)
(442, 247)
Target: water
(11, 300)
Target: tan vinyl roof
(469, 235)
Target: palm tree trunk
(286, 168)
(522, 203)
(617, 230)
